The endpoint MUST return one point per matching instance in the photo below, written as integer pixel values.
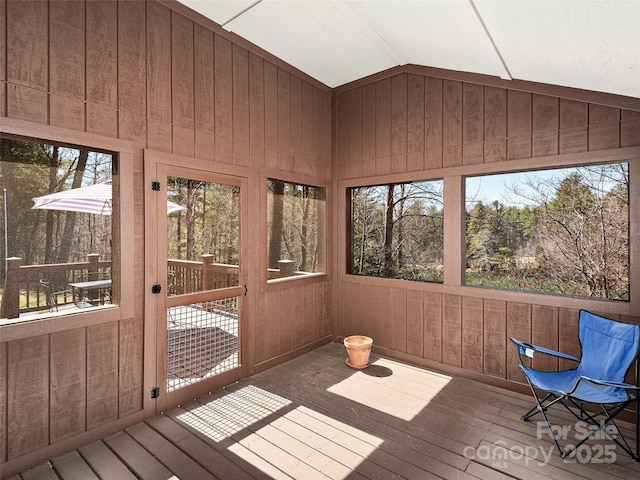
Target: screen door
(199, 326)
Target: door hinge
(155, 392)
(245, 290)
(155, 186)
(156, 288)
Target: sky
(490, 188)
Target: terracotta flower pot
(358, 348)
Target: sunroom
(258, 203)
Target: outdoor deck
(315, 418)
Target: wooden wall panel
(399, 123)
(545, 126)
(568, 335)
(415, 122)
(472, 334)
(398, 320)
(147, 73)
(574, 118)
(604, 127)
(354, 133)
(102, 68)
(68, 398)
(382, 329)
(629, 128)
(28, 61)
(27, 29)
(432, 317)
(495, 124)
(518, 327)
(518, 125)
(299, 323)
(27, 395)
(368, 138)
(544, 332)
(307, 318)
(131, 366)
(203, 91)
(159, 134)
(452, 330)
(472, 124)
(495, 338)
(223, 74)
(284, 120)
(342, 135)
(415, 323)
(271, 115)
(367, 313)
(285, 321)
(240, 106)
(296, 125)
(321, 311)
(272, 339)
(323, 135)
(306, 160)
(451, 123)
(433, 122)
(256, 111)
(102, 374)
(451, 127)
(67, 64)
(383, 129)
(132, 64)
(261, 326)
(353, 312)
(182, 85)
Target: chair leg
(541, 408)
(601, 427)
(592, 419)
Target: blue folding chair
(609, 349)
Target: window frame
(265, 177)
(454, 230)
(551, 169)
(122, 254)
(349, 226)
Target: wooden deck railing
(185, 277)
(190, 276)
(24, 280)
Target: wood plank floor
(315, 418)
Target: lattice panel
(202, 341)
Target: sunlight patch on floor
(388, 393)
(282, 440)
(230, 412)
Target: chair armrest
(528, 350)
(606, 383)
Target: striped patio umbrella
(92, 199)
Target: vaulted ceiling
(589, 44)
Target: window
(203, 233)
(58, 227)
(564, 231)
(397, 231)
(296, 229)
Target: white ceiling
(588, 44)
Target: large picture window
(296, 229)
(563, 231)
(58, 227)
(397, 231)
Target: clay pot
(358, 348)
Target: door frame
(155, 304)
